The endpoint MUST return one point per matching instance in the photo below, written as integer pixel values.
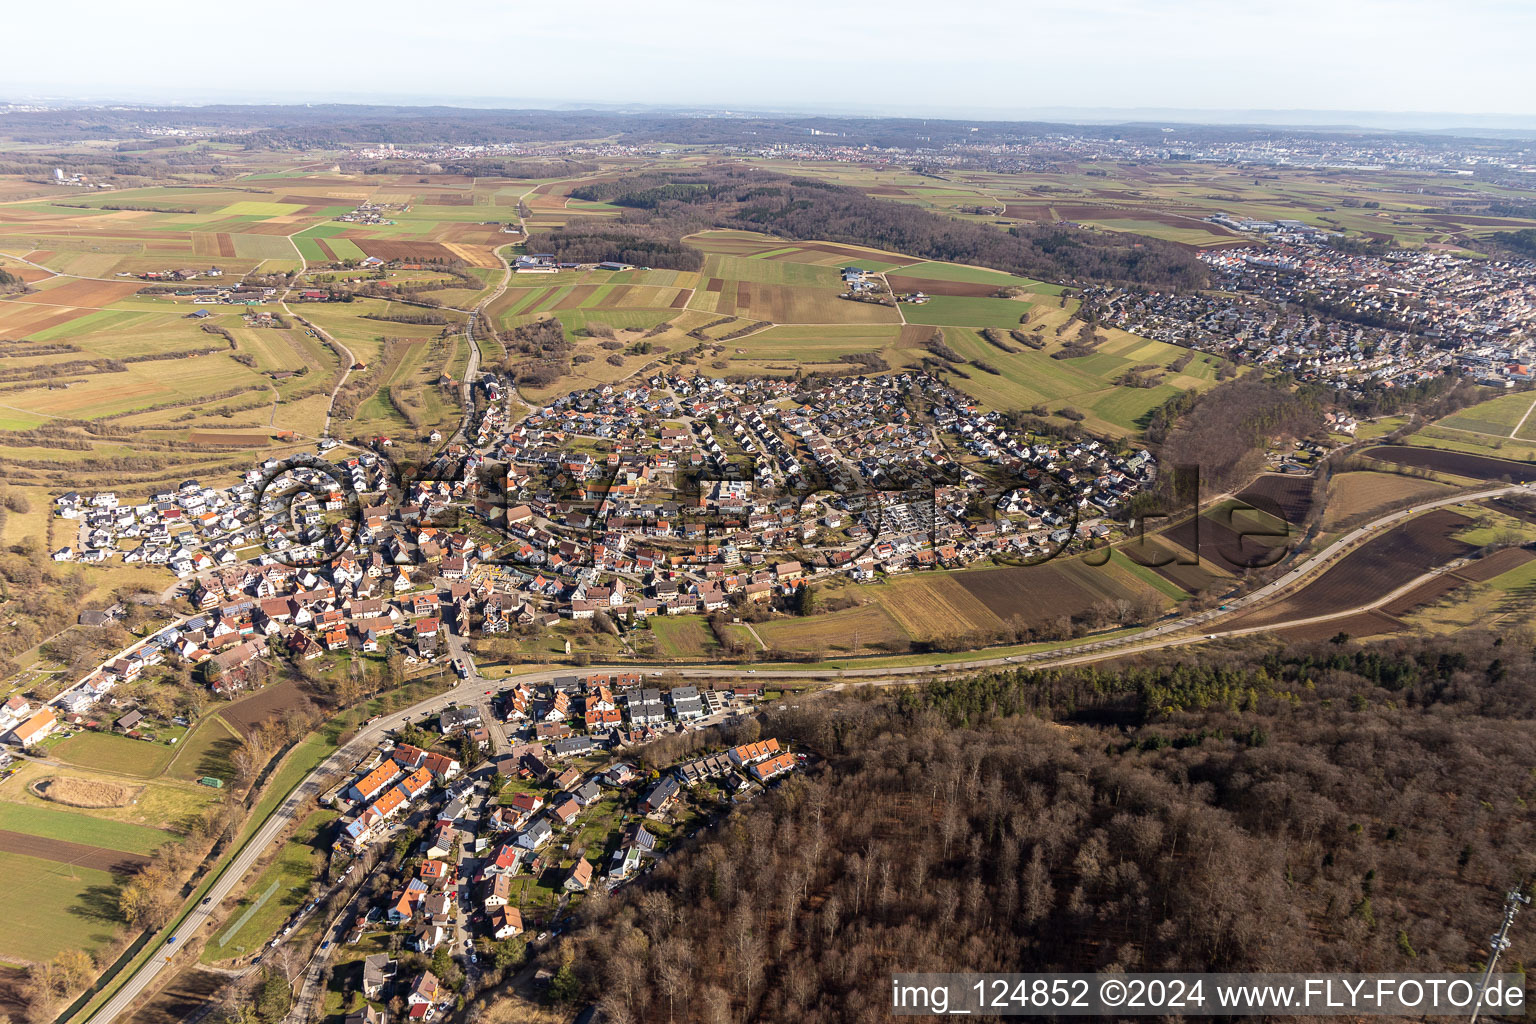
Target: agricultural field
(780, 297)
(76, 827)
(1374, 569)
(73, 829)
(90, 344)
(982, 603)
(780, 301)
(1197, 553)
(205, 752)
(1498, 591)
(1061, 587)
(868, 629)
(59, 905)
(164, 804)
(139, 758)
(1454, 463)
(1282, 495)
(1358, 496)
(682, 637)
(68, 859)
(1170, 200)
(1449, 440)
(1028, 377)
(1504, 416)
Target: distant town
(1303, 307)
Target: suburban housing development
(643, 562)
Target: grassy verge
(298, 763)
(293, 871)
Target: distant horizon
(1414, 64)
(1291, 118)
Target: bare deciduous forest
(1324, 808)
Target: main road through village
(1190, 629)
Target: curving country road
(472, 367)
(472, 689)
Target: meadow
(139, 758)
(79, 827)
(57, 907)
(1504, 416)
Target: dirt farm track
(62, 852)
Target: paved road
(471, 690)
(472, 368)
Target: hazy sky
(954, 57)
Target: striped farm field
(1066, 586)
(644, 319)
(27, 321)
(778, 303)
(78, 292)
(869, 628)
(936, 604)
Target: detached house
(580, 879)
(34, 728)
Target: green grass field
(205, 751)
(56, 907)
(75, 827)
(682, 637)
(139, 758)
(957, 311)
(1497, 416)
(977, 275)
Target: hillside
(1326, 808)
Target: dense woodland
(1324, 808)
(663, 207)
